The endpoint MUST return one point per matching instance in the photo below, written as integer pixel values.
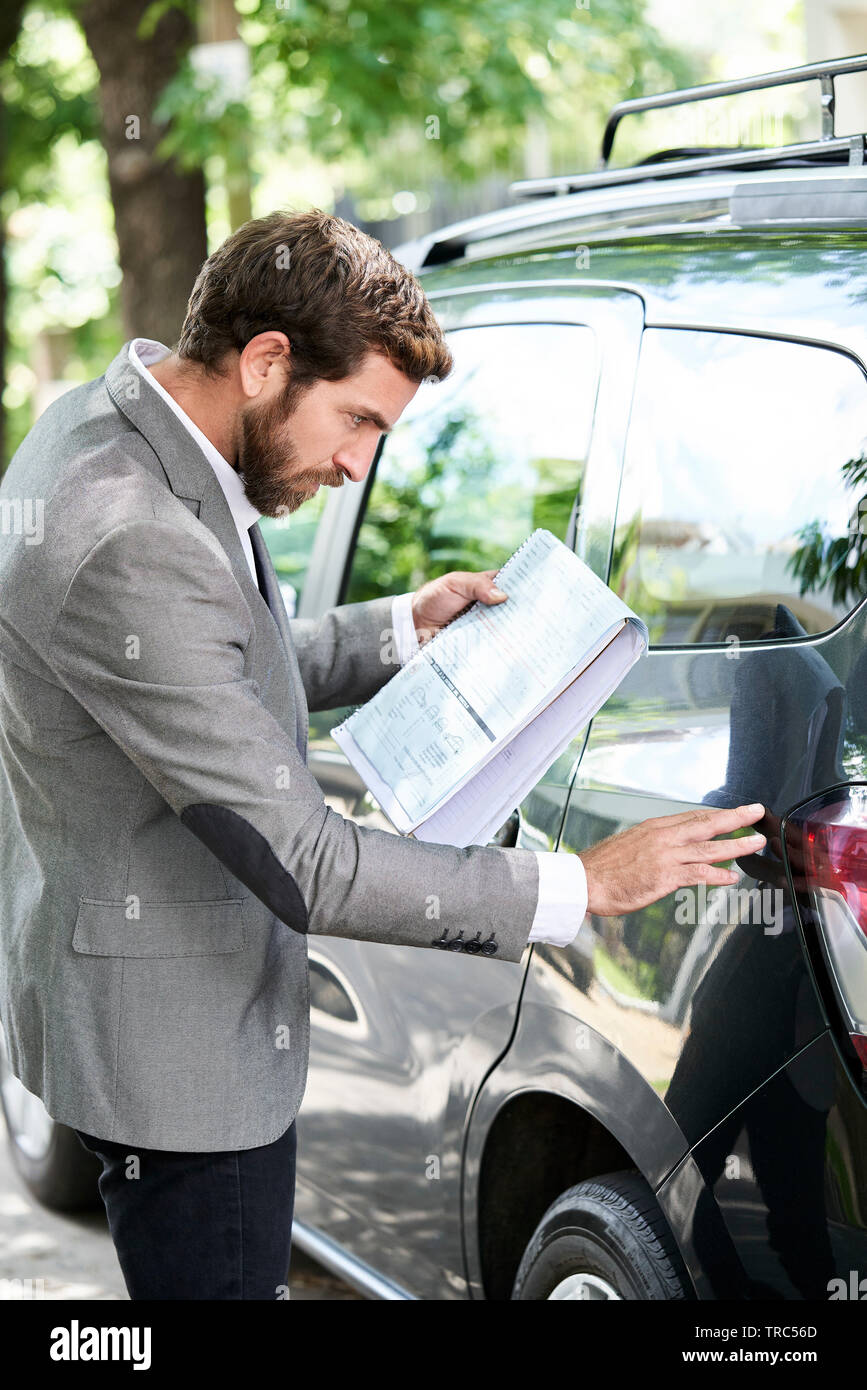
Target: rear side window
(479, 460)
(743, 505)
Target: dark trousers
(200, 1225)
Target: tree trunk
(159, 213)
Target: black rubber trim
(359, 518)
(241, 847)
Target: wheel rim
(30, 1124)
(589, 1288)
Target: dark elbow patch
(241, 847)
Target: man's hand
(627, 871)
(440, 600)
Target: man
(166, 849)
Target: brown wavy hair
(335, 292)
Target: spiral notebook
(455, 740)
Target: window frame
(615, 315)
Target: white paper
(481, 681)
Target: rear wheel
(603, 1240)
(52, 1162)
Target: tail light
(825, 847)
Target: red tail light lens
(825, 844)
(835, 857)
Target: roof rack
(656, 168)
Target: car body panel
(786, 1173)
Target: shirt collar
(142, 353)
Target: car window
(740, 512)
(481, 459)
(290, 541)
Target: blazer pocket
(161, 929)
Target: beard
(274, 480)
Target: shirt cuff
(406, 641)
(562, 902)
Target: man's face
(292, 443)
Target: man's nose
(353, 463)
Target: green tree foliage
(837, 561)
(377, 82)
(47, 108)
(44, 99)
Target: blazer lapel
(187, 471)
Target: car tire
(604, 1239)
(64, 1178)
(51, 1160)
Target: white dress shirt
(562, 901)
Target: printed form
(483, 678)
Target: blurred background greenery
(135, 136)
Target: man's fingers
(706, 851)
(706, 816)
(704, 825)
(476, 586)
(707, 873)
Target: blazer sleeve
(346, 655)
(150, 639)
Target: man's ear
(259, 363)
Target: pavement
(50, 1255)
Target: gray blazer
(165, 848)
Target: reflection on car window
(290, 541)
(481, 459)
(745, 474)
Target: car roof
(700, 200)
(777, 251)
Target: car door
(401, 1038)
(733, 541)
